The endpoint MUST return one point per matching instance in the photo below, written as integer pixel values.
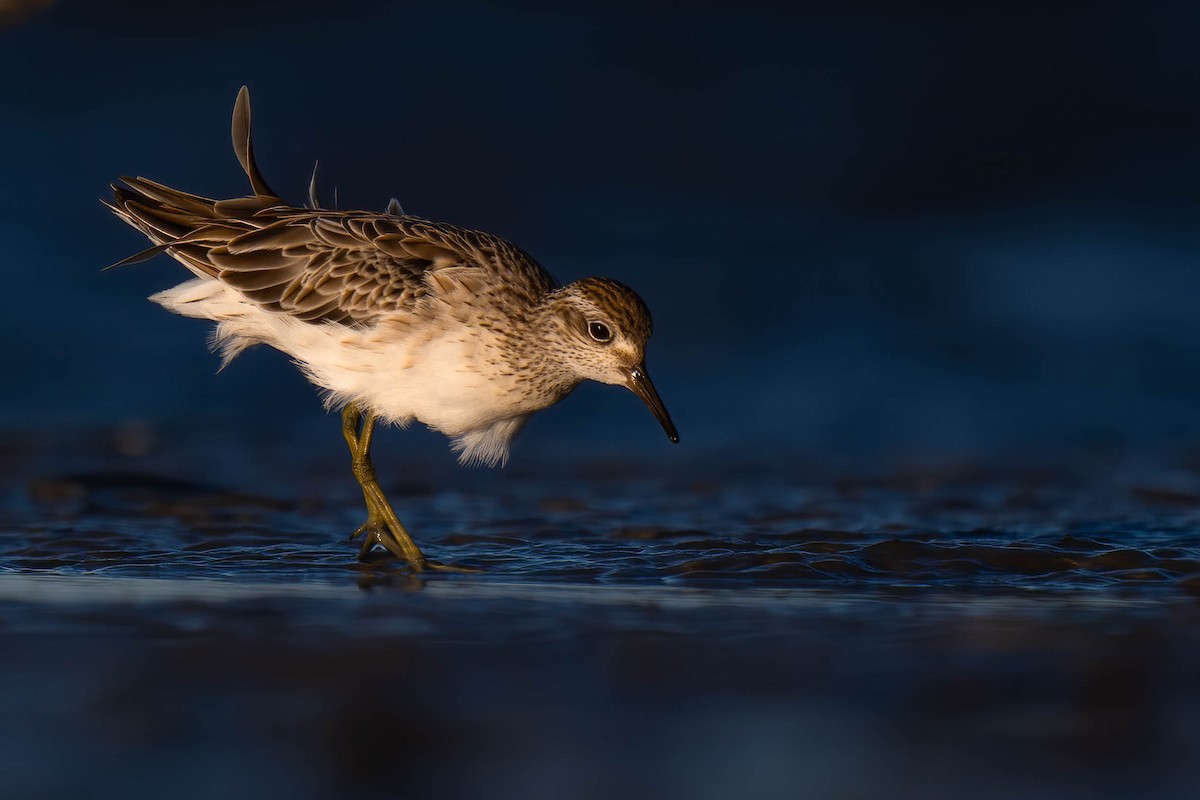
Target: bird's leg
(382, 525)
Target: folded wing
(316, 265)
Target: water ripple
(984, 532)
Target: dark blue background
(860, 230)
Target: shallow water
(191, 621)
(1108, 527)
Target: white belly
(444, 375)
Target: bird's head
(601, 328)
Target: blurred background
(925, 287)
(861, 230)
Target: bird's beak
(639, 383)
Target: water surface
(190, 621)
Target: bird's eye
(599, 331)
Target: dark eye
(599, 331)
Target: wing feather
(319, 265)
(346, 266)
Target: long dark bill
(639, 383)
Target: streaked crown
(611, 303)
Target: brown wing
(314, 264)
(357, 266)
(320, 266)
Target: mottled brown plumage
(319, 265)
(392, 315)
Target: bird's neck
(544, 348)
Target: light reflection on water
(97, 590)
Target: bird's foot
(374, 531)
(377, 531)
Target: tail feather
(184, 201)
(243, 144)
(186, 225)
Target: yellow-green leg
(382, 525)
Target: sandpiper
(394, 317)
